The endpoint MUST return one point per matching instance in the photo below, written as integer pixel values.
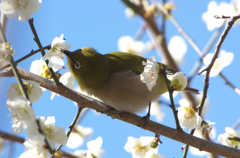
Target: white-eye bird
(114, 78)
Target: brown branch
(133, 119)
(20, 140)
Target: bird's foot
(108, 108)
(109, 112)
(145, 119)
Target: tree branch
(87, 102)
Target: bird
(114, 78)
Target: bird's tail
(191, 90)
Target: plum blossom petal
(54, 55)
(150, 73)
(23, 8)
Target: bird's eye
(77, 65)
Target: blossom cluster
(23, 116)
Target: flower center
(141, 148)
(28, 87)
(46, 73)
(190, 113)
(57, 49)
(151, 74)
(47, 130)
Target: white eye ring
(77, 65)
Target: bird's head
(88, 66)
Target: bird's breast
(125, 91)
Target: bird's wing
(129, 62)
(125, 62)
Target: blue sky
(99, 24)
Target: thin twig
(71, 127)
(25, 57)
(218, 46)
(180, 29)
(222, 17)
(208, 69)
(14, 68)
(206, 50)
(45, 139)
(171, 99)
(42, 52)
(83, 113)
(229, 83)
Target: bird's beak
(67, 53)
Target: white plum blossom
(127, 44)
(67, 80)
(6, 51)
(177, 48)
(54, 55)
(224, 59)
(140, 148)
(214, 9)
(23, 8)
(188, 117)
(230, 133)
(157, 111)
(35, 148)
(77, 136)
(40, 68)
(22, 113)
(150, 73)
(197, 99)
(178, 81)
(94, 148)
(53, 133)
(33, 90)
